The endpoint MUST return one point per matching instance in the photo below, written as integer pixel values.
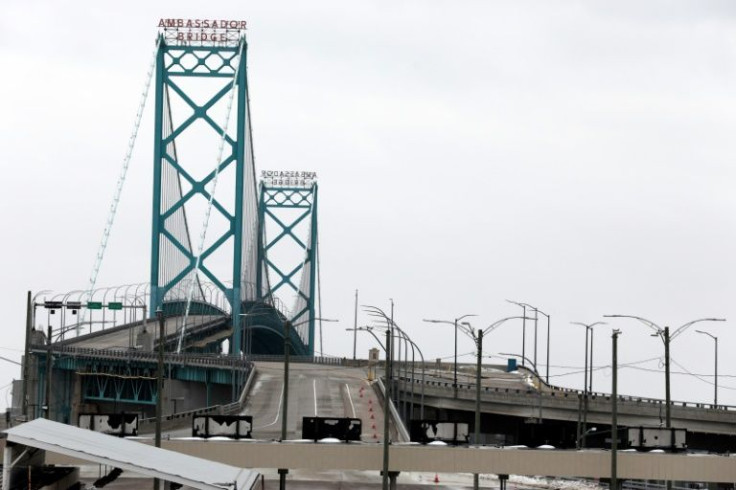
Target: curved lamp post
(413, 346)
(582, 430)
(455, 323)
(715, 396)
(375, 311)
(478, 341)
(664, 334)
(287, 351)
(523, 328)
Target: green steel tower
(194, 81)
(288, 200)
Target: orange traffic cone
(436, 478)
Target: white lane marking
(350, 397)
(278, 412)
(314, 387)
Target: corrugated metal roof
(130, 455)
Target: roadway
(314, 390)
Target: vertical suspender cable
(121, 179)
(205, 224)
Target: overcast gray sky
(574, 155)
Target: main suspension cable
(121, 178)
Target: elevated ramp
(314, 390)
(126, 454)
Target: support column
(282, 478)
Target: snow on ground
(465, 480)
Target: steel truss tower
(173, 258)
(287, 207)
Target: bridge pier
(392, 476)
(282, 478)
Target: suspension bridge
(228, 250)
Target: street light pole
(715, 396)
(546, 377)
(159, 384)
(479, 341)
(614, 411)
(387, 395)
(454, 377)
(355, 333)
(582, 431)
(27, 356)
(413, 346)
(664, 334)
(454, 323)
(375, 311)
(285, 409)
(523, 329)
(536, 321)
(667, 393)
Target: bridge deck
(314, 390)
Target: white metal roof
(130, 455)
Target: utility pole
(547, 375)
(479, 346)
(355, 332)
(664, 334)
(585, 392)
(536, 321)
(48, 374)
(386, 396)
(284, 410)
(159, 384)
(668, 419)
(27, 356)
(614, 412)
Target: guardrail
(218, 360)
(204, 360)
(329, 361)
(554, 392)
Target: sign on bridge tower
(203, 168)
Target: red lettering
(198, 23)
(161, 23)
(242, 24)
(233, 24)
(170, 23)
(214, 24)
(179, 36)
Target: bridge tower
(201, 92)
(288, 204)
